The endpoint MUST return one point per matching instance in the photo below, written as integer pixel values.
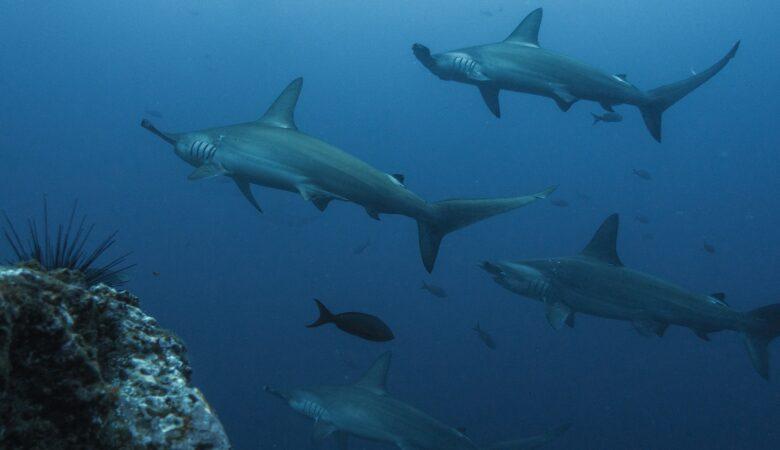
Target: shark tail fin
(758, 338)
(325, 315)
(449, 215)
(533, 441)
(660, 99)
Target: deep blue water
(78, 76)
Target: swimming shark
(519, 64)
(271, 152)
(596, 282)
(367, 411)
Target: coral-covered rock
(86, 368)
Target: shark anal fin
(375, 378)
(321, 431)
(603, 245)
(558, 315)
(246, 189)
(280, 113)
(208, 170)
(342, 440)
(649, 327)
(372, 214)
(321, 202)
(527, 32)
(490, 96)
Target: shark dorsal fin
(528, 31)
(603, 245)
(375, 378)
(281, 112)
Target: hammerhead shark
(366, 410)
(271, 152)
(596, 282)
(519, 64)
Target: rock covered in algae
(85, 368)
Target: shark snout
(491, 268)
(423, 54)
(167, 137)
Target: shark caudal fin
(757, 339)
(531, 442)
(449, 215)
(662, 98)
(325, 315)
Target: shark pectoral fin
(558, 314)
(490, 95)
(649, 327)
(342, 440)
(246, 189)
(321, 431)
(702, 335)
(208, 170)
(563, 98)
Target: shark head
(456, 66)
(518, 277)
(194, 148)
(302, 401)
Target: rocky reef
(84, 368)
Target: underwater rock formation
(86, 368)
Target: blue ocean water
(78, 76)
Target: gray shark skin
(519, 64)
(596, 282)
(271, 152)
(367, 411)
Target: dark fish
(643, 174)
(434, 290)
(360, 248)
(358, 324)
(154, 113)
(559, 203)
(642, 219)
(157, 274)
(648, 236)
(607, 117)
(485, 337)
(709, 248)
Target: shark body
(367, 411)
(596, 282)
(520, 64)
(271, 152)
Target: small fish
(643, 174)
(584, 197)
(157, 274)
(485, 337)
(559, 203)
(360, 248)
(648, 236)
(641, 218)
(609, 116)
(709, 248)
(357, 324)
(154, 113)
(436, 291)
(486, 13)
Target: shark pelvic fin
(559, 315)
(490, 96)
(208, 170)
(527, 33)
(399, 177)
(321, 202)
(603, 245)
(281, 112)
(246, 189)
(563, 98)
(375, 378)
